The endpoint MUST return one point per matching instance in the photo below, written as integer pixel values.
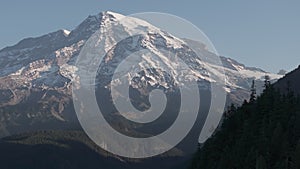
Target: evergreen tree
(253, 92)
(267, 81)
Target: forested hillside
(263, 133)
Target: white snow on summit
(66, 32)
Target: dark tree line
(264, 133)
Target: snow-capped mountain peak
(110, 14)
(40, 70)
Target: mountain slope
(290, 82)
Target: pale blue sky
(262, 34)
